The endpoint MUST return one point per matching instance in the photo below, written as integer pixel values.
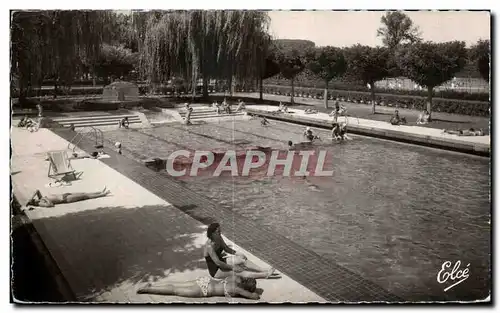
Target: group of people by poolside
(230, 273)
(225, 107)
(424, 119)
(29, 124)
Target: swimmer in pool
(308, 133)
(339, 131)
(299, 145)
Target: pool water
(391, 212)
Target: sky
(346, 28)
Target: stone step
(97, 123)
(94, 117)
(215, 115)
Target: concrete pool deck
(479, 145)
(108, 247)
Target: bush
(306, 82)
(475, 108)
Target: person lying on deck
(51, 200)
(221, 265)
(465, 132)
(202, 287)
(310, 111)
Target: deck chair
(60, 165)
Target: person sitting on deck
(396, 119)
(241, 105)
(124, 123)
(308, 133)
(220, 265)
(28, 123)
(264, 122)
(423, 118)
(217, 107)
(52, 200)
(282, 108)
(310, 111)
(202, 287)
(24, 121)
(226, 107)
(465, 132)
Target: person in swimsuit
(230, 287)
(51, 200)
(220, 265)
(396, 119)
(310, 111)
(299, 145)
(264, 122)
(124, 122)
(308, 133)
(423, 118)
(465, 132)
(241, 105)
(339, 131)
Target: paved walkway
(441, 120)
(323, 276)
(108, 247)
(401, 132)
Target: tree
(49, 44)
(397, 29)
(480, 53)
(368, 65)
(270, 68)
(432, 64)
(213, 44)
(115, 61)
(290, 62)
(327, 63)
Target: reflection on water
(391, 212)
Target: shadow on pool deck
(110, 246)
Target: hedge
(475, 108)
(447, 94)
(308, 80)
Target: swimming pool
(391, 212)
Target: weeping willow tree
(50, 44)
(211, 44)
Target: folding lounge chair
(60, 165)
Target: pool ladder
(98, 137)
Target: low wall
(423, 140)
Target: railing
(98, 137)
